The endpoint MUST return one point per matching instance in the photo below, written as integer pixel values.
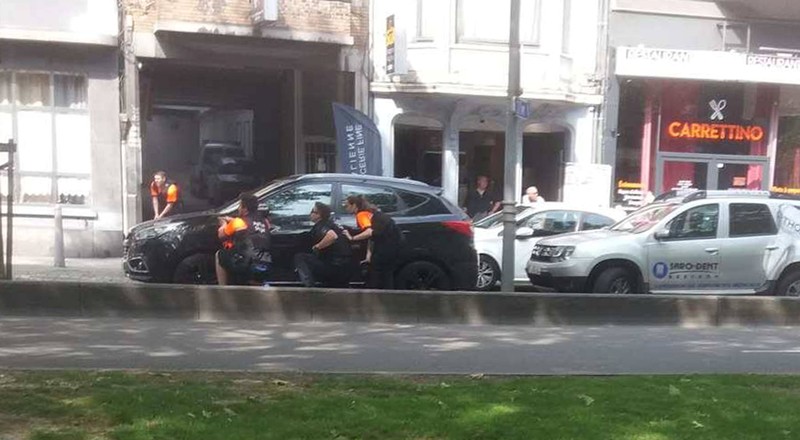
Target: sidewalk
(96, 270)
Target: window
(5, 88)
(384, 198)
(50, 122)
(292, 206)
(426, 20)
(33, 89)
(418, 204)
(699, 222)
(595, 221)
(751, 219)
(488, 21)
(70, 91)
(551, 222)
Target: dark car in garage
(438, 251)
(229, 177)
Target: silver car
(533, 223)
(709, 242)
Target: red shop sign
(715, 132)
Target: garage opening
(219, 131)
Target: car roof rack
(783, 195)
(730, 193)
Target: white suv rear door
(752, 233)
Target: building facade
(439, 96)
(59, 99)
(260, 73)
(100, 94)
(710, 101)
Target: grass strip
(68, 405)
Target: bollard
(58, 254)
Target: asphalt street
(347, 347)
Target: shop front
(687, 124)
(695, 135)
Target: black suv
(438, 252)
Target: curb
(283, 305)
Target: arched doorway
(418, 149)
(545, 151)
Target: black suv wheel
(196, 269)
(422, 275)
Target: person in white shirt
(531, 196)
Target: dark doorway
(543, 163)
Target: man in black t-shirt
(330, 263)
(481, 201)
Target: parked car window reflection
(595, 221)
(698, 222)
(552, 222)
(384, 198)
(291, 206)
(644, 219)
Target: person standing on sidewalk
(166, 196)
(329, 263)
(481, 201)
(386, 239)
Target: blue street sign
(522, 108)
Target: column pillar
(647, 146)
(131, 156)
(450, 152)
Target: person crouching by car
(329, 264)
(245, 243)
(386, 239)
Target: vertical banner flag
(358, 142)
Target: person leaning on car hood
(166, 196)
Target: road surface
(348, 347)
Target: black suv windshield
(231, 206)
(644, 219)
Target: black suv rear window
(422, 204)
(751, 219)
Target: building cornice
(194, 27)
(389, 88)
(58, 37)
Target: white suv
(719, 242)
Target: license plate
(533, 269)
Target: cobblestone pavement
(98, 270)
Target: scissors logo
(717, 107)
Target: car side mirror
(662, 234)
(525, 232)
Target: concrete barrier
(281, 305)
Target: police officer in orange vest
(245, 243)
(165, 195)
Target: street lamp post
(512, 152)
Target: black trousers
(313, 270)
(381, 270)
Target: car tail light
(461, 226)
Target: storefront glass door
(740, 175)
(679, 174)
(711, 172)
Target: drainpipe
(601, 80)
